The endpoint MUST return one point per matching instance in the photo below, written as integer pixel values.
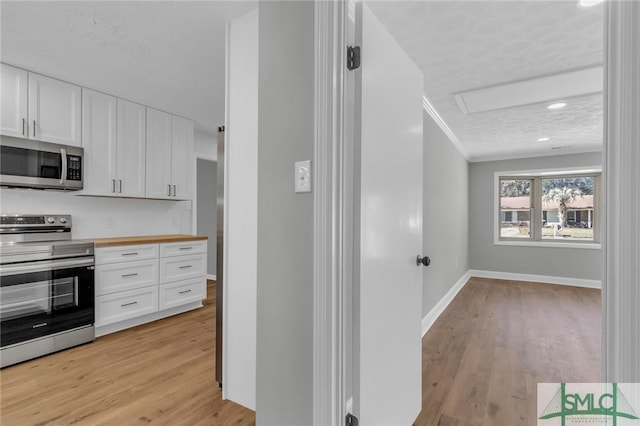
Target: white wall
(554, 262)
(285, 219)
(102, 216)
(206, 220)
(205, 145)
(445, 214)
(241, 215)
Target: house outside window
(548, 208)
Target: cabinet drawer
(126, 305)
(182, 249)
(181, 292)
(126, 253)
(182, 267)
(114, 277)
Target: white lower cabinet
(182, 267)
(181, 292)
(125, 305)
(145, 282)
(115, 277)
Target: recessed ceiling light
(543, 139)
(557, 105)
(589, 3)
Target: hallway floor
(483, 357)
(481, 362)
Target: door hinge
(351, 420)
(353, 57)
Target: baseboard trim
(211, 277)
(547, 279)
(437, 310)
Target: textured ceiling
(170, 55)
(165, 54)
(466, 45)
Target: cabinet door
(54, 110)
(182, 267)
(126, 253)
(115, 277)
(13, 87)
(182, 158)
(182, 292)
(116, 307)
(158, 154)
(130, 152)
(99, 142)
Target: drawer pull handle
(184, 292)
(185, 248)
(185, 267)
(129, 304)
(129, 275)
(39, 325)
(130, 254)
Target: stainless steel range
(46, 287)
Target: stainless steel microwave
(33, 164)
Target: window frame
(535, 231)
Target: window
(548, 207)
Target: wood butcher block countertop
(145, 239)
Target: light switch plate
(303, 176)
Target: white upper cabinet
(169, 153)
(13, 86)
(54, 111)
(113, 137)
(181, 157)
(40, 108)
(158, 154)
(130, 153)
(99, 142)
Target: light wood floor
(481, 362)
(160, 373)
(483, 357)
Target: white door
(54, 110)
(388, 285)
(158, 154)
(13, 114)
(131, 148)
(181, 157)
(99, 142)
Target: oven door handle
(43, 266)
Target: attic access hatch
(532, 91)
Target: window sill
(555, 244)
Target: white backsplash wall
(102, 216)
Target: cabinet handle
(120, 183)
(24, 122)
(130, 254)
(130, 275)
(174, 190)
(169, 190)
(34, 128)
(185, 248)
(185, 267)
(113, 185)
(39, 325)
(129, 304)
(184, 291)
